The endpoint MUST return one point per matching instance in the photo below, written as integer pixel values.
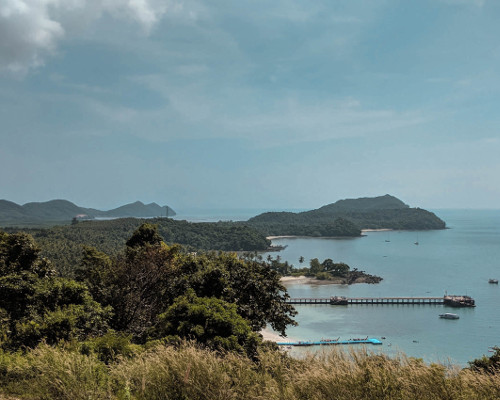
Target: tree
(94, 270)
(146, 234)
(490, 365)
(210, 321)
(254, 287)
(336, 269)
(315, 266)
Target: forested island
(326, 271)
(347, 218)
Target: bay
(458, 260)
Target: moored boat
(493, 281)
(459, 301)
(449, 316)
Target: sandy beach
(304, 280)
(283, 237)
(269, 334)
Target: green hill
(57, 211)
(386, 202)
(139, 209)
(348, 217)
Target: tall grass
(191, 373)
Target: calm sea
(458, 260)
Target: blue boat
(325, 342)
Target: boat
(331, 342)
(459, 301)
(493, 281)
(449, 316)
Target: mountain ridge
(59, 210)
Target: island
(325, 272)
(347, 218)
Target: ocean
(457, 260)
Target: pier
(448, 300)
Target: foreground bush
(188, 372)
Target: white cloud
(30, 30)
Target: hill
(57, 211)
(139, 209)
(386, 202)
(349, 216)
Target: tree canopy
(149, 290)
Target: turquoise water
(458, 260)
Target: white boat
(449, 316)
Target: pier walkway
(453, 301)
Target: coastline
(314, 237)
(270, 335)
(305, 280)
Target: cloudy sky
(262, 104)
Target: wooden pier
(453, 300)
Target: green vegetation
(286, 223)
(347, 218)
(154, 322)
(63, 245)
(187, 372)
(149, 291)
(326, 270)
(490, 365)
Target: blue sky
(250, 104)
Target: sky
(250, 104)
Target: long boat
(324, 342)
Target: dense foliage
(337, 272)
(282, 224)
(489, 365)
(149, 291)
(35, 305)
(63, 244)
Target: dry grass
(191, 373)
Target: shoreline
(312, 237)
(271, 336)
(305, 280)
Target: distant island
(57, 211)
(326, 272)
(347, 218)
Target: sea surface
(457, 260)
